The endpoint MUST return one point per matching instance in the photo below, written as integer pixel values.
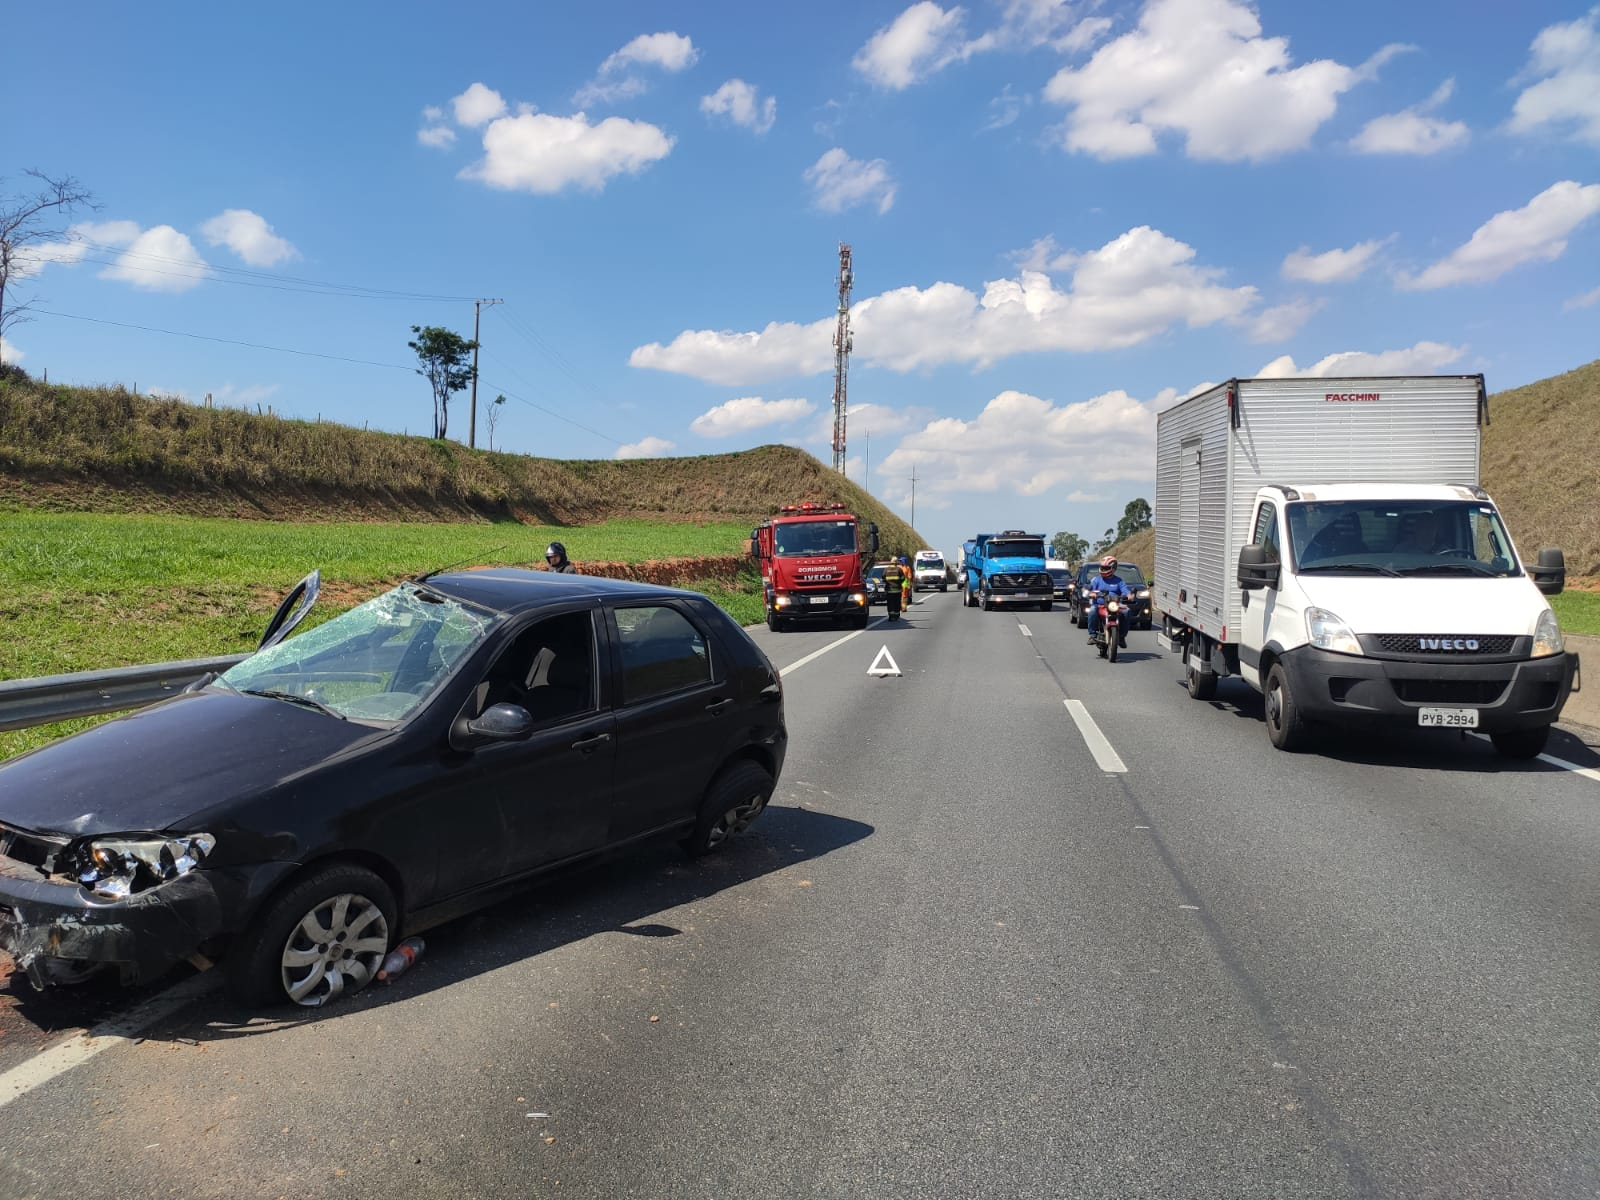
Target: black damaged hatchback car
(391, 768)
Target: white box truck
(1326, 541)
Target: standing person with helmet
(907, 580)
(555, 558)
(1108, 583)
(893, 587)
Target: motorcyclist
(555, 559)
(1107, 584)
(894, 578)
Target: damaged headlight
(113, 868)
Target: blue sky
(1063, 217)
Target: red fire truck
(811, 560)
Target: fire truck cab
(810, 557)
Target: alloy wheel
(336, 947)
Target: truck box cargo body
(1327, 541)
(1216, 449)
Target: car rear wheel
(322, 938)
(734, 800)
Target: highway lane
(957, 959)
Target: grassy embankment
(135, 530)
(1539, 464)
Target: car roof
(516, 589)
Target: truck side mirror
(1256, 570)
(872, 539)
(755, 543)
(1550, 576)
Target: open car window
(378, 662)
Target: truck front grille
(1449, 691)
(1443, 645)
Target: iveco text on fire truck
(810, 556)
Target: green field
(1578, 612)
(84, 592)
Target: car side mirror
(501, 723)
(1550, 575)
(1256, 570)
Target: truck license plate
(817, 599)
(1448, 718)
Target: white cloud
(228, 396)
(866, 420)
(160, 260)
(747, 413)
(9, 353)
(433, 114)
(478, 105)
(920, 41)
(742, 104)
(1126, 292)
(437, 137)
(83, 239)
(650, 447)
(1200, 68)
(1084, 34)
(536, 152)
(1005, 108)
(1422, 359)
(1332, 266)
(1587, 300)
(1281, 323)
(1536, 232)
(1412, 130)
(670, 52)
(249, 236)
(1568, 97)
(1025, 445)
(840, 182)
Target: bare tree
(493, 415)
(31, 220)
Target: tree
(1069, 548)
(493, 417)
(1107, 540)
(25, 222)
(1134, 518)
(443, 354)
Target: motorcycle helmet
(555, 550)
(1108, 564)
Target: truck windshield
(1015, 548)
(1400, 537)
(810, 538)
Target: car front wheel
(322, 938)
(733, 801)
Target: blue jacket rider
(1109, 583)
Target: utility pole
(913, 496)
(472, 418)
(842, 343)
(866, 469)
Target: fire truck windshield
(801, 539)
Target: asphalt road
(957, 958)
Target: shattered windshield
(814, 538)
(1400, 537)
(377, 662)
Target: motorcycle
(1109, 638)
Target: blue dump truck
(1007, 568)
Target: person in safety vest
(908, 580)
(894, 578)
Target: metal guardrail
(28, 702)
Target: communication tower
(842, 343)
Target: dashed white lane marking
(118, 1031)
(800, 662)
(1026, 632)
(1104, 755)
(1586, 772)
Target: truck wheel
(774, 621)
(983, 602)
(1521, 743)
(1045, 607)
(1202, 684)
(1285, 726)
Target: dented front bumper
(51, 926)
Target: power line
(363, 362)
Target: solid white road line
(1099, 746)
(118, 1031)
(1586, 772)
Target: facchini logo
(1448, 643)
(1351, 397)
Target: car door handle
(584, 745)
(717, 707)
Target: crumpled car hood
(155, 767)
